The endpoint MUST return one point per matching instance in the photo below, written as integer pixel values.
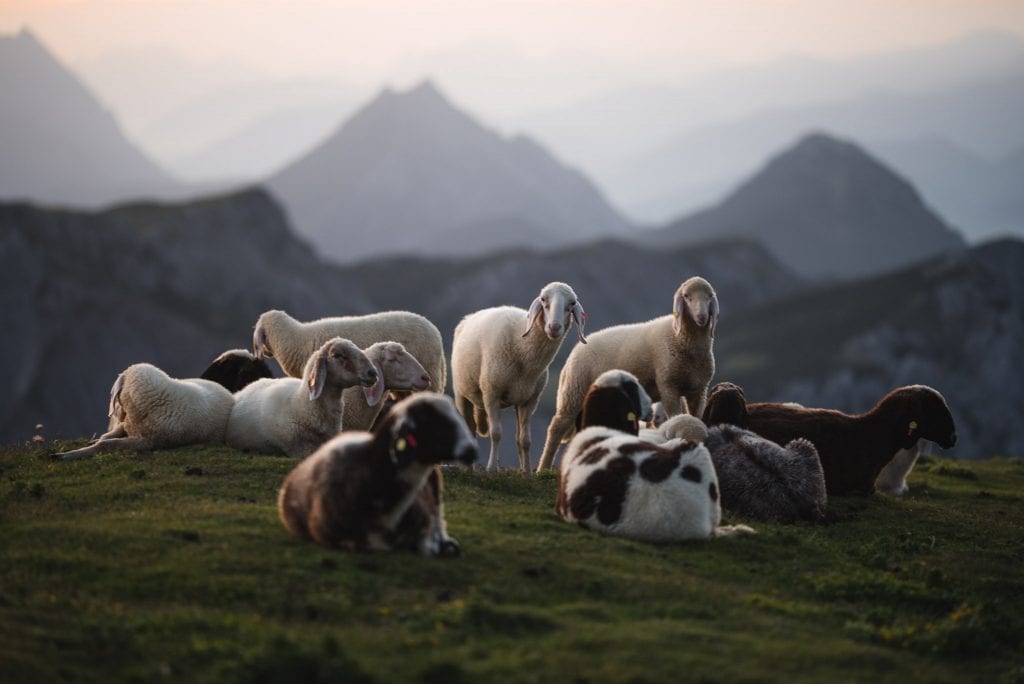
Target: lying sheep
(616, 400)
(760, 479)
(150, 410)
(293, 416)
(397, 369)
(683, 426)
(853, 448)
(381, 490)
(672, 356)
(236, 368)
(290, 342)
(613, 482)
(497, 364)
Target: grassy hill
(173, 566)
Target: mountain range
(825, 209)
(58, 143)
(411, 174)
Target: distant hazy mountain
(177, 284)
(953, 322)
(826, 209)
(984, 117)
(410, 173)
(58, 144)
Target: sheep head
(426, 429)
(726, 404)
(397, 370)
(926, 416)
(343, 362)
(695, 301)
(560, 306)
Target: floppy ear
(677, 312)
(259, 342)
(579, 317)
(374, 393)
(317, 376)
(403, 442)
(713, 313)
(913, 432)
(535, 310)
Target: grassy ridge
(174, 566)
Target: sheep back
(617, 484)
(764, 481)
(171, 412)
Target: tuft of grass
(173, 566)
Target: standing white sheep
(497, 364)
(150, 410)
(291, 342)
(672, 356)
(293, 416)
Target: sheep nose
(554, 329)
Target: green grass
(172, 566)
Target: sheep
(853, 448)
(672, 356)
(366, 491)
(683, 426)
(280, 336)
(616, 400)
(892, 480)
(398, 370)
(759, 479)
(657, 416)
(616, 483)
(151, 410)
(293, 416)
(236, 368)
(496, 363)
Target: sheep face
(401, 370)
(928, 416)
(560, 307)
(341, 360)
(425, 429)
(695, 301)
(628, 384)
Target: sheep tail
(116, 409)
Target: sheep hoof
(450, 548)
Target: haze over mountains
(411, 174)
(57, 141)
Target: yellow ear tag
(630, 416)
(911, 427)
(675, 314)
(400, 444)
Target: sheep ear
(259, 341)
(713, 313)
(913, 431)
(579, 317)
(402, 440)
(535, 309)
(373, 394)
(677, 313)
(317, 377)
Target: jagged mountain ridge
(826, 209)
(411, 174)
(58, 144)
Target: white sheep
(293, 416)
(496, 363)
(150, 410)
(683, 426)
(280, 336)
(398, 369)
(672, 356)
(382, 490)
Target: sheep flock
(649, 449)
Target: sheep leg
(697, 401)
(671, 399)
(523, 437)
(465, 407)
(493, 408)
(113, 444)
(559, 427)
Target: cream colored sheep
(291, 342)
(672, 356)
(496, 363)
(398, 369)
